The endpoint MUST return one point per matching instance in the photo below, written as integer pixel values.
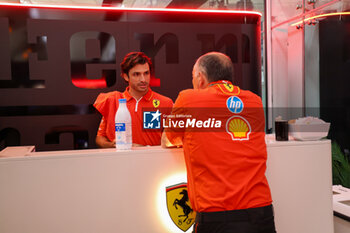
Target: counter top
(270, 141)
(98, 190)
(22, 152)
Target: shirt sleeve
(175, 134)
(102, 128)
(168, 106)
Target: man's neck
(137, 95)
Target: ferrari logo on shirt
(156, 103)
(229, 87)
(179, 207)
(239, 128)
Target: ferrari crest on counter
(179, 206)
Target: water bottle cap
(122, 101)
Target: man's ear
(125, 77)
(202, 81)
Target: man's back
(225, 151)
(227, 165)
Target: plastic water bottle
(123, 131)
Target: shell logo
(239, 128)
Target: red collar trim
(220, 82)
(226, 87)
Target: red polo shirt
(107, 104)
(225, 166)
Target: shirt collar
(220, 82)
(226, 87)
(147, 96)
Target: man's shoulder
(249, 96)
(110, 94)
(191, 92)
(189, 97)
(161, 97)
(107, 98)
(195, 94)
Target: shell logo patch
(229, 87)
(156, 103)
(235, 104)
(179, 207)
(239, 128)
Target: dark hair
(134, 58)
(216, 66)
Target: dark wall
(335, 77)
(54, 63)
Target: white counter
(103, 190)
(300, 178)
(341, 207)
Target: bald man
(225, 161)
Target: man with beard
(136, 69)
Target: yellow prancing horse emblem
(179, 207)
(229, 87)
(156, 103)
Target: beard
(141, 87)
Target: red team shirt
(107, 104)
(225, 167)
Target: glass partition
(308, 59)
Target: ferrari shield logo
(229, 87)
(179, 206)
(156, 103)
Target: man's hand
(165, 143)
(137, 145)
(103, 142)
